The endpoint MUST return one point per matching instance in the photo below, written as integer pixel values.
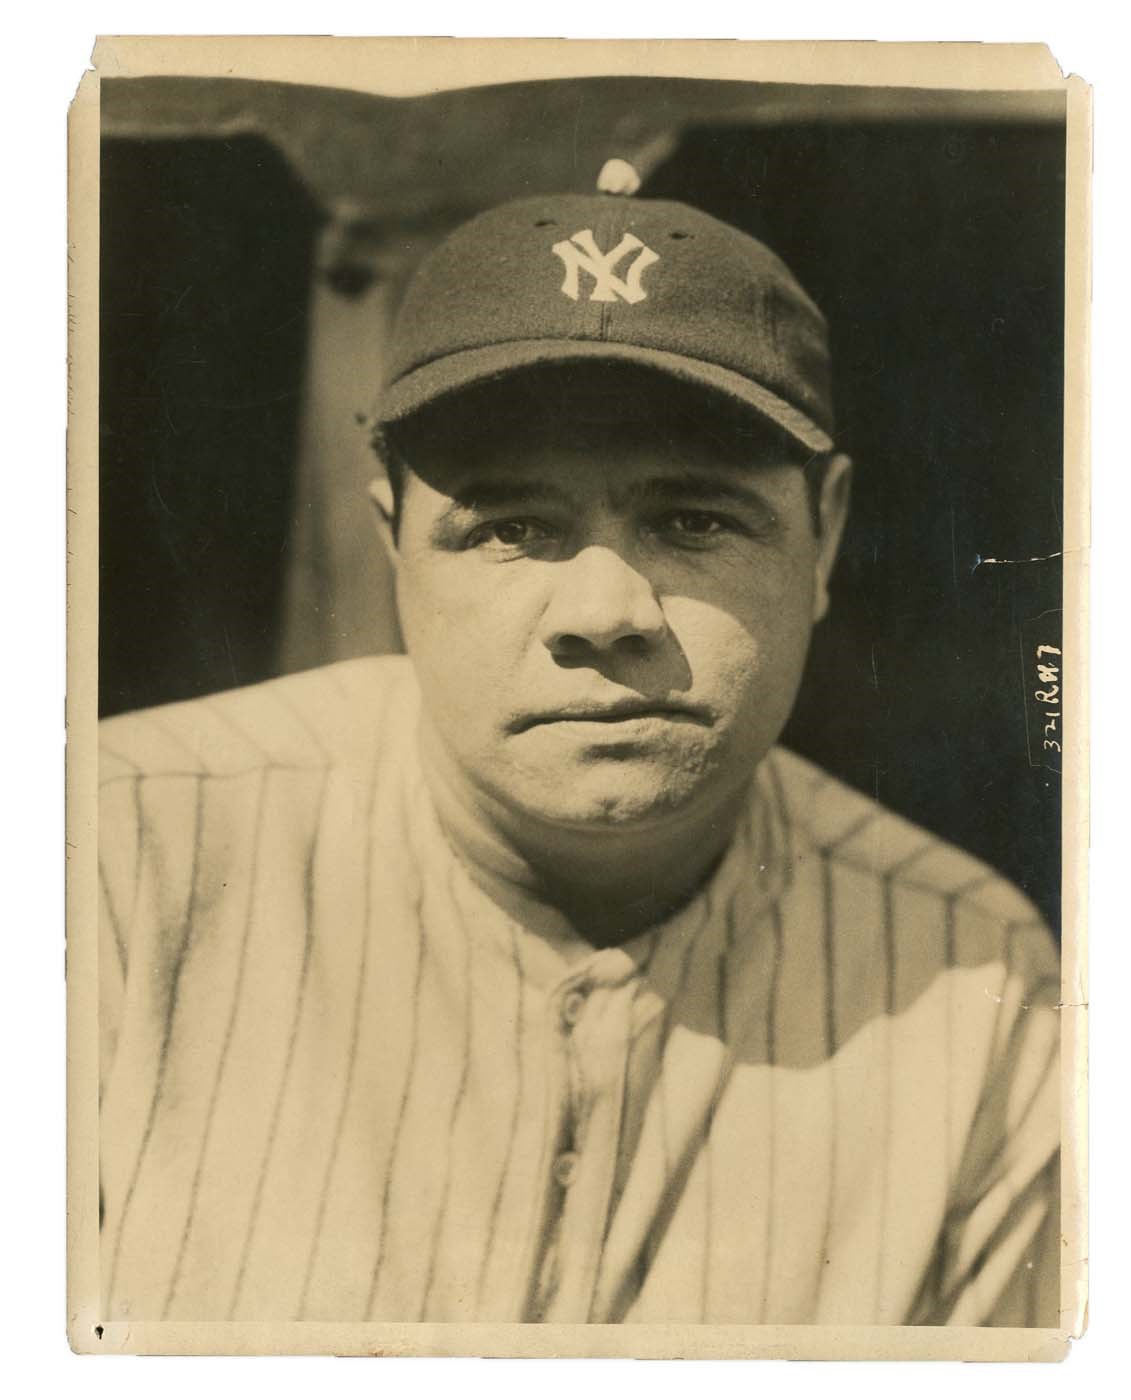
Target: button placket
(565, 1168)
(592, 1021)
(571, 1008)
(573, 1004)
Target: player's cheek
(436, 613)
(718, 630)
(746, 654)
(466, 627)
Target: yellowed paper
(196, 90)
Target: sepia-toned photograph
(573, 781)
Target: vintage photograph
(583, 697)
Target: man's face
(608, 619)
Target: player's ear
(832, 512)
(384, 499)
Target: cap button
(618, 177)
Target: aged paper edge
(449, 62)
(1076, 784)
(442, 62)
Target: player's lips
(612, 712)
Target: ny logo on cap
(581, 251)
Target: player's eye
(694, 527)
(696, 522)
(516, 533)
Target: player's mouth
(613, 712)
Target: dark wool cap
(566, 278)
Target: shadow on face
(589, 407)
(607, 584)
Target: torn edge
(1033, 559)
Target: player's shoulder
(311, 719)
(850, 829)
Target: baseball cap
(563, 279)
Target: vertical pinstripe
(782, 813)
(167, 1031)
(772, 1059)
(829, 971)
(843, 1049)
(237, 989)
(625, 1136)
(115, 921)
(709, 1147)
(457, 1106)
(671, 1166)
(379, 1257)
(516, 1113)
(949, 954)
(1031, 1298)
(355, 1021)
(722, 967)
(889, 1012)
(288, 1063)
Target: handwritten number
(1048, 675)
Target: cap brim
(467, 368)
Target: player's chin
(632, 789)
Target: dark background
(931, 234)
(936, 251)
(206, 264)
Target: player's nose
(600, 601)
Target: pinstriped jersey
(345, 1077)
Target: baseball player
(525, 977)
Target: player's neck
(609, 885)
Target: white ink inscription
(1048, 673)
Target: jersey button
(573, 1003)
(565, 1168)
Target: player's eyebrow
(472, 498)
(483, 493)
(705, 488)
